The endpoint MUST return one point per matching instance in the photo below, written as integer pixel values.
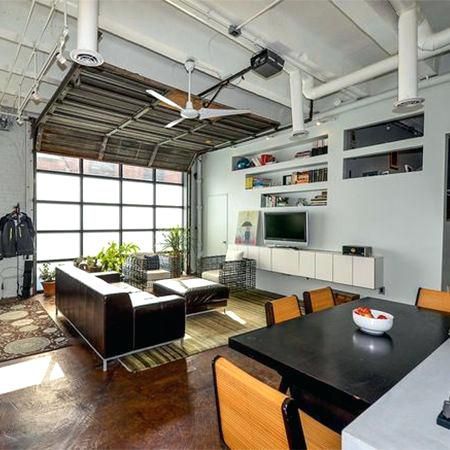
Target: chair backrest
(253, 415)
(282, 309)
(431, 299)
(318, 299)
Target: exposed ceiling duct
(407, 62)
(86, 53)
(440, 42)
(298, 124)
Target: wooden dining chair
(252, 415)
(431, 299)
(318, 300)
(282, 309)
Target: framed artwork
(247, 228)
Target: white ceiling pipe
(407, 62)
(298, 124)
(86, 52)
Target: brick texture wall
(16, 185)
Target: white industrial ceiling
(325, 38)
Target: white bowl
(374, 326)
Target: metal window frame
(184, 206)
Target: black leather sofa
(113, 320)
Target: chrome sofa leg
(105, 365)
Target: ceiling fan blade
(163, 99)
(206, 113)
(175, 122)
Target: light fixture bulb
(35, 96)
(61, 59)
(318, 122)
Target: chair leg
(284, 385)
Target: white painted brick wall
(16, 185)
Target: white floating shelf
(312, 161)
(306, 187)
(396, 146)
(290, 208)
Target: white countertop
(405, 417)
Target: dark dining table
(335, 371)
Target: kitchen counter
(405, 417)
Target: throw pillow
(151, 262)
(234, 255)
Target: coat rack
(16, 213)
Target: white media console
(360, 271)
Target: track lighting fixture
(35, 96)
(61, 59)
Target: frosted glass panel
(51, 216)
(100, 168)
(168, 195)
(142, 238)
(137, 173)
(136, 217)
(169, 176)
(56, 163)
(58, 246)
(100, 191)
(100, 217)
(51, 186)
(169, 217)
(137, 193)
(159, 239)
(94, 242)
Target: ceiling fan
(189, 112)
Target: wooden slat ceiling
(104, 113)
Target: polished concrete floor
(62, 399)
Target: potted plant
(113, 257)
(88, 264)
(48, 276)
(175, 245)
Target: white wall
(400, 216)
(16, 185)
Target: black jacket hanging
(16, 235)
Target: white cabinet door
(364, 272)
(253, 253)
(307, 264)
(285, 260)
(343, 269)
(264, 258)
(324, 266)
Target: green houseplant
(88, 263)
(113, 257)
(175, 245)
(48, 275)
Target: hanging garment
(16, 235)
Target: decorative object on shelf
(257, 182)
(267, 158)
(444, 417)
(48, 275)
(243, 163)
(113, 257)
(247, 228)
(303, 154)
(301, 202)
(176, 244)
(320, 199)
(287, 180)
(356, 250)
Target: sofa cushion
(151, 262)
(211, 275)
(234, 255)
(153, 275)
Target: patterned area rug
(27, 329)
(245, 312)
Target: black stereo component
(356, 250)
(267, 63)
(27, 276)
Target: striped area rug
(245, 312)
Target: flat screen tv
(286, 228)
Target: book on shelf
(310, 176)
(257, 182)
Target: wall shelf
(290, 208)
(307, 187)
(296, 163)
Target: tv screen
(287, 227)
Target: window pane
(94, 242)
(169, 195)
(57, 217)
(100, 217)
(57, 163)
(51, 186)
(100, 191)
(137, 173)
(58, 246)
(135, 217)
(169, 176)
(169, 217)
(137, 193)
(159, 239)
(103, 169)
(142, 238)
